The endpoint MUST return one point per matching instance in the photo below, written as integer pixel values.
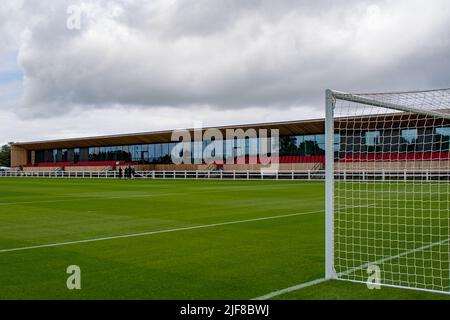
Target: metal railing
(174, 174)
(308, 175)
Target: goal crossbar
(367, 101)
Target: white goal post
(385, 215)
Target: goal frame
(331, 96)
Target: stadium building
(302, 147)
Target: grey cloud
(227, 54)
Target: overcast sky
(136, 65)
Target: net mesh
(392, 188)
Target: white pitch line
(287, 290)
(87, 198)
(383, 260)
(134, 235)
(72, 198)
(276, 293)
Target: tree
(5, 156)
(288, 146)
(310, 148)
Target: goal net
(388, 188)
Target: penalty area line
(147, 233)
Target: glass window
(151, 152)
(442, 139)
(64, 155)
(91, 154)
(320, 144)
(84, 154)
(408, 139)
(165, 149)
(247, 146)
(131, 151)
(309, 145)
(229, 148)
(107, 153)
(126, 153)
(337, 142)
(213, 149)
(172, 145)
(58, 155)
(299, 140)
(119, 153)
(165, 158)
(372, 138)
(115, 154)
(445, 131)
(288, 146)
(240, 147)
(320, 138)
(337, 138)
(137, 154)
(76, 154)
(253, 146)
(197, 154)
(409, 135)
(101, 154)
(206, 143)
(69, 155)
(158, 152)
(39, 154)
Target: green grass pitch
(217, 242)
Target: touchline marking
(134, 235)
(273, 294)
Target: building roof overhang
(285, 129)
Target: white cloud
(232, 56)
(82, 123)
